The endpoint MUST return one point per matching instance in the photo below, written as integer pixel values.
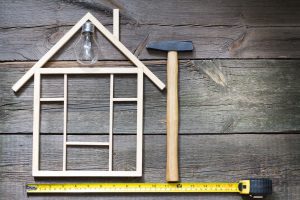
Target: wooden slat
(65, 130)
(36, 122)
(78, 173)
(88, 70)
(124, 99)
(116, 23)
(52, 99)
(202, 158)
(139, 123)
(250, 29)
(178, 12)
(111, 122)
(87, 143)
(209, 42)
(219, 96)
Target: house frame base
(81, 173)
(37, 172)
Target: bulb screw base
(87, 27)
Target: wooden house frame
(37, 71)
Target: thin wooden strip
(65, 122)
(86, 70)
(87, 143)
(139, 134)
(111, 122)
(52, 99)
(36, 124)
(81, 173)
(125, 99)
(116, 31)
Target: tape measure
(253, 187)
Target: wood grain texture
(237, 95)
(202, 158)
(201, 12)
(172, 117)
(216, 96)
(231, 29)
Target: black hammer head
(172, 45)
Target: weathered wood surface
(216, 96)
(188, 12)
(202, 158)
(231, 29)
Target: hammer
(172, 47)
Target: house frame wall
(36, 122)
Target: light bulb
(86, 49)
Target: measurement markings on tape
(252, 187)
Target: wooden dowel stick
(36, 124)
(116, 23)
(172, 117)
(111, 121)
(65, 122)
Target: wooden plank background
(239, 92)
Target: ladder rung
(87, 143)
(124, 99)
(52, 99)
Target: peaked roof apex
(69, 34)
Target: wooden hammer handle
(172, 117)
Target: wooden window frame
(36, 172)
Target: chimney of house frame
(116, 23)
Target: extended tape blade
(132, 187)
